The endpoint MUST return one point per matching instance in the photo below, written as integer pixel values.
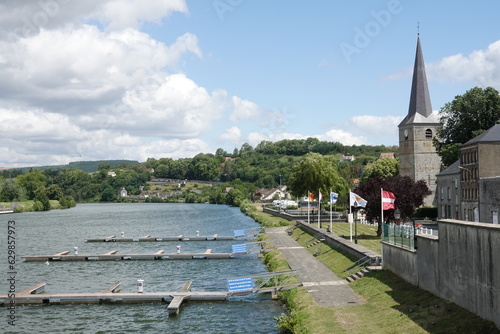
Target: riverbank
(391, 305)
(28, 206)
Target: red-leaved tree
(409, 196)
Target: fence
(399, 235)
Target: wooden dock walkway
(114, 256)
(36, 296)
(182, 237)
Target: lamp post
(397, 214)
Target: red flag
(388, 199)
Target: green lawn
(367, 234)
(26, 206)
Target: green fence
(400, 235)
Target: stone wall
(337, 242)
(489, 193)
(462, 265)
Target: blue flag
(333, 197)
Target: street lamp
(397, 214)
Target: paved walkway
(321, 283)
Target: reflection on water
(60, 230)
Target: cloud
(176, 107)
(481, 67)
(232, 134)
(342, 137)
(81, 93)
(117, 14)
(26, 18)
(369, 125)
(58, 67)
(244, 110)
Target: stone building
(477, 191)
(448, 192)
(479, 159)
(417, 155)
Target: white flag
(356, 200)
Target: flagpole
(382, 204)
(331, 205)
(308, 207)
(319, 209)
(350, 215)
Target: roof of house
(386, 155)
(491, 135)
(451, 169)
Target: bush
(38, 206)
(67, 202)
(427, 211)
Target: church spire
(420, 102)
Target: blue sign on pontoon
(239, 284)
(243, 248)
(239, 233)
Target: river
(55, 231)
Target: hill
(86, 166)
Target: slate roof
(420, 110)
(491, 135)
(451, 169)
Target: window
(428, 134)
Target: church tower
(418, 157)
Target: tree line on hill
(245, 170)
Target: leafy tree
(316, 172)
(409, 196)
(464, 118)
(108, 195)
(104, 166)
(67, 202)
(234, 197)
(54, 192)
(31, 181)
(42, 198)
(162, 171)
(204, 167)
(246, 149)
(11, 191)
(220, 152)
(382, 168)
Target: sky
(131, 79)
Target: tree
(382, 168)
(11, 191)
(108, 195)
(42, 198)
(316, 172)
(54, 192)
(409, 196)
(104, 166)
(464, 118)
(31, 181)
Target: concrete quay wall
(341, 243)
(462, 265)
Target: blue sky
(114, 79)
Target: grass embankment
(27, 206)
(391, 305)
(366, 234)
